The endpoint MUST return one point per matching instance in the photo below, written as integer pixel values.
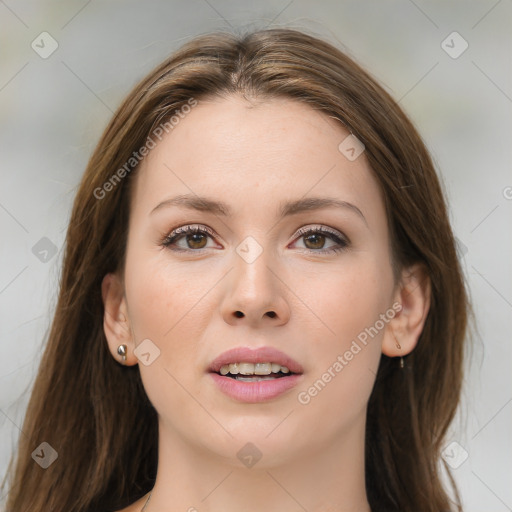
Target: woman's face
(297, 293)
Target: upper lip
(258, 355)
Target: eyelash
(178, 233)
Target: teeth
(253, 369)
(262, 368)
(246, 368)
(276, 368)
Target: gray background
(53, 110)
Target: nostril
(239, 314)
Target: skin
(253, 155)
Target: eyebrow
(205, 204)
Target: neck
(316, 478)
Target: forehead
(252, 154)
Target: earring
(398, 346)
(121, 350)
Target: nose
(256, 294)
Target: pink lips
(259, 391)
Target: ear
(413, 294)
(116, 322)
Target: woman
(261, 306)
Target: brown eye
(314, 241)
(315, 238)
(196, 240)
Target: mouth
(252, 376)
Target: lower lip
(255, 392)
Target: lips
(255, 390)
(259, 355)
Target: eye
(315, 237)
(195, 237)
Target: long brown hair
(95, 412)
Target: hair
(95, 413)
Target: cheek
(165, 306)
(165, 303)
(343, 301)
(150, 292)
(346, 343)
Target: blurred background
(66, 66)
